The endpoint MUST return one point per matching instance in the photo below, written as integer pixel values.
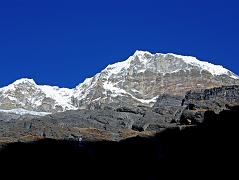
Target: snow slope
(21, 111)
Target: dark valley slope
(211, 144)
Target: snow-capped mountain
(25, 93)
(138, 80)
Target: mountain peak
(190, 60)
(140, 53)
(24, 80)
(11, 87)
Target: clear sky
(61, 43)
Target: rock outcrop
(216, 100)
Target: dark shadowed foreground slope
(212, 143)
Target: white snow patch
(21, 111)
(10, 97)
(135, 90)
(112, 88)
(118, 92)
(62, 96)
(146, 101)
(97, 99)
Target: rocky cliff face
(216, 99)
(201, 101)
(137, 81)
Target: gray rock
(155, 127)
(190, 117)
(215, 99)
(170, 107)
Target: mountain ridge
(138, 80)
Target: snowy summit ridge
(213, 69)
(138, 80)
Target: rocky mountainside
(114, 123)
(139, 80)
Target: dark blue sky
(62, 42)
